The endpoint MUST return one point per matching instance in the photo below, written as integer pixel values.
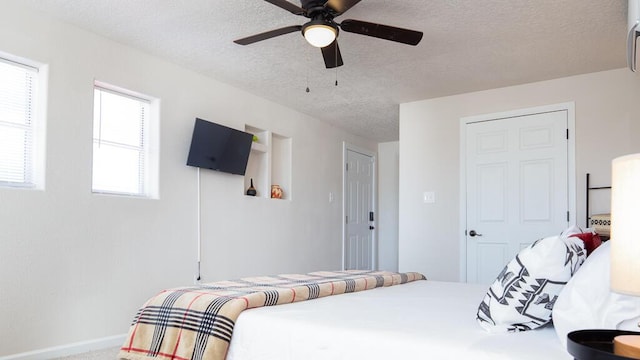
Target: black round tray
(594, 344)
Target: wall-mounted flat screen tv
(221, 148)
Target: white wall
(76, 266)
(607, 108)
(388, 157)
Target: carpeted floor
(106, 354)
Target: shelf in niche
(269, 163)
(256, 146)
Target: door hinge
(567, 216)
(567, 134)
(346, 219)
(346, 166)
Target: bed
(347, 315)
(381, 315)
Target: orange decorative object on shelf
(276, 192)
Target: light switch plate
(429, 197)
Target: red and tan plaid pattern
(196, 323)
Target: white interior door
(360, 229)
(517, 188)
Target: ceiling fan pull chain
(336, 52)
(308, 60)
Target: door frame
(571, 165)
(374, 201)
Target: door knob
(473, 233)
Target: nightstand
(594, 344)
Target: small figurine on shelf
(276, 192)
(251, 191)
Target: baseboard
(69, 349)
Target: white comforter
(418, 320)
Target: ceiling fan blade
(268, 35)
(331, 55)
(339, 7)
(405, 36)
(283, 4)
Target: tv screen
(220, 148)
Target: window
(123, 160)
(21, 136)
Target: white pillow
(523, 295)
(586, 302)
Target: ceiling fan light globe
(320, 35)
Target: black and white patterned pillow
(522, 296)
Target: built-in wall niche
(269, 163)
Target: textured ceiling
(468, 45)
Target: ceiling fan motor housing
(314, 7)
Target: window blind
(17, 97)
(120, 144)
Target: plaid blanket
(196, 323)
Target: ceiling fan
(322, 30)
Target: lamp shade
(319, 35)
(625, 225)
